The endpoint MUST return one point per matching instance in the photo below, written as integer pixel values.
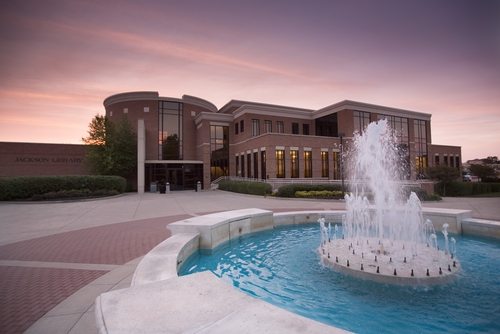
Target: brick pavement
(26, 294)
(109, 244)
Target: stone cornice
(130, 96)
(361, 106)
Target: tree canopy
(111, 147)
(443, 173)
(485, 172)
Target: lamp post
(341, 135)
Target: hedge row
(321, 194)
(246, 187)
(457, 189)
(289, 190)
(34, 187)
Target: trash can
(198, 186)
(152, 187)
(162, 187)
(167, 187)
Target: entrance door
(175, 178)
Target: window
(170, 131)
(280, 128)
(305, 129)
(242, 165)
(436, 160)
(294, 162)
(361, 120)
(336, 165)
(255, 127)
(237, 165)
(256, 165)
(219, 151)
(325, 168)
(280, 163)
(399, 125)
(295, 128)
(242, 126)
(446, 160)
(420, 131)
(263, 173)
(457, 161)
(268, 126)
(236, 128)
(249, 165)
(307, 164)
(327, 126)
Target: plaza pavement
(55, 258)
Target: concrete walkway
(55, 258)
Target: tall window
(219, 151)
(255, 127)
(399, 125)
(457, 161)
(305, 129)
(242, 126)
(436, 160)
(295, 128)
(235, 128)
(294, 162)
(307, 164)
(170, 130)
(280, 128)
(263, 172)
(361, 120)
(446, 160)
(325, 167)
(249, 164)
(268, 126)
(256, 165)
(420, 130)
(336, 165)
(242, 165)
(280, 163)
(237, 165)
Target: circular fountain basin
(388, 261)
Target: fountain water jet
(387, 241)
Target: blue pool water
(281, 266)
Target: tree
(490, 160)
(486, 173)
(443, 174)
(111, 147)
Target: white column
(141, 155)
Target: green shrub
(323, 194)
(459, 189)
(246, 187)
(82, 193)
(27, 187)
(289, 190)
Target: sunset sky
(60, 59)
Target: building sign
(46, 160)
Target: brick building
(182, 141)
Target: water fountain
(387, 241)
